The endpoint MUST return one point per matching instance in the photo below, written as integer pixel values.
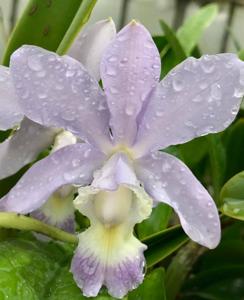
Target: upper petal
(24, 146)
(167, 179)
(90, 44)
(10, 112)
(130, 68)
(72, 164)
(198, 97)
(59, 92)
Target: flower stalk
(20, 222)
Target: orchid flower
(120, 173)
(31, 138)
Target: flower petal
(90, 44)
(120, 270)
(59, 92)
(58, 210)
(70, 165)
(108, 253)
(166, 179)
(130, 68)
(24, 146)
(10, 113)
(198, 97)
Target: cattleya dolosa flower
(119, 169)
(24, 145)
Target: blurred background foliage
(176, 267)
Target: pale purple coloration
(198, 97)
(90, 274)
(31, 138)
(66, 225)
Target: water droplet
(159, 113)
(123, 61)
(68, 115)
(207, 64)
(59, 87)
(236, 210)
(111, 71)
(112, 58)
(203, 85)
(238, 93)
(177, 84)
(70, 73)
(75, 162)
(113, 90)
(41, 74)
(210, 216)
(166, 167)
(216, 91)
(197, 99)
(42, 96)
(87, 153)
(235, 110)
(129, 110)
(155, 66)
(25, 94)
(34, 63)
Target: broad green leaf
(156, 222)
(234, 144)
(26, 267)
(164, 243)
(219, 274)
(173, 42)
(45, 23)
(232, 197)
(194, 151)
(152, 287)
(191, 31)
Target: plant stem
(17, 221)
(180, 267)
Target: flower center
(112, 208)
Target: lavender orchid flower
(31, 138)
(120, 171)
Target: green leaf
(194, 151)
(219, 273)
(191, 31)
(217, 157)
(164, 243)
(151, 288)
(26, 267)
(232, 197)
(46, 24)
(63, 287)
(43, 23)
(79, 20)
(157, 221)
(173, 42)
(234, 143)
(241, 54)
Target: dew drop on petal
(216, 91)
(75, 162)
(34, 63)
(197, 99)
(178, 84)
